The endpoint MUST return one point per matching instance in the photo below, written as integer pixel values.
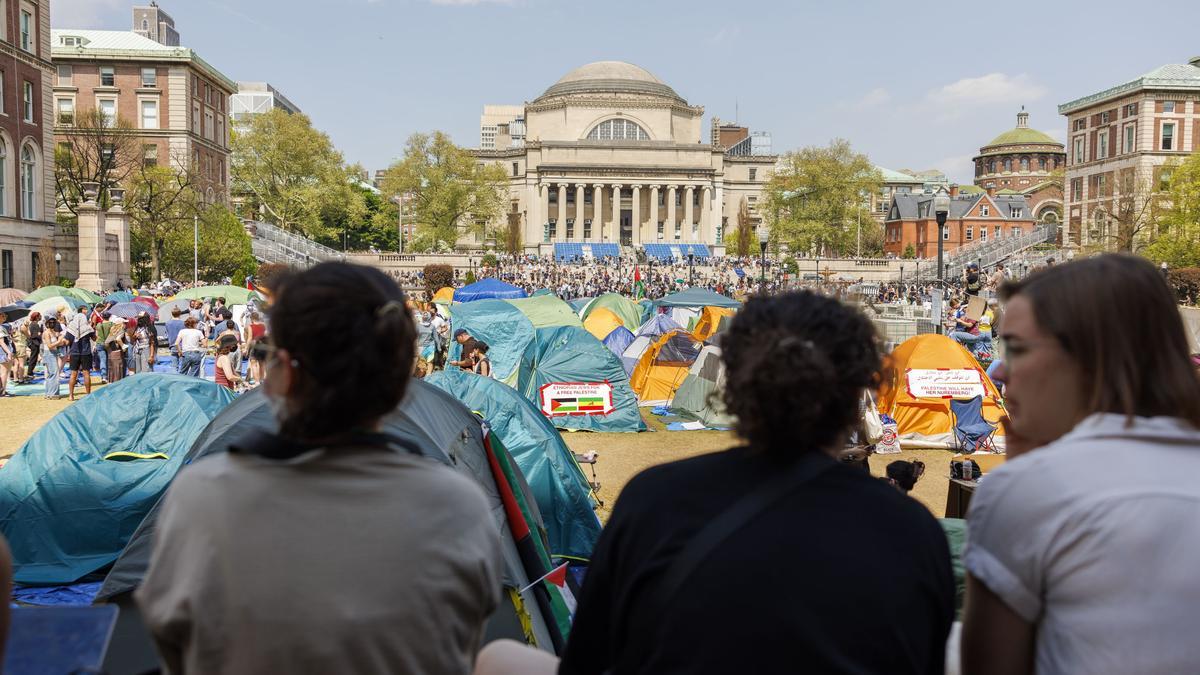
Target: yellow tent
(663, 367)
(709, 321)
(921, 377)
(444, 296)
(601, 322)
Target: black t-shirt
(972, 283)
(845, 574)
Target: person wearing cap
(465, 361)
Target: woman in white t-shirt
(1084, 546)
(190, 344)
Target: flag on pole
(557, 577)
(639, 289)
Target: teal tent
(508, 332)
(566, 354)
(77, 489)
(558, 485)
(696, 298)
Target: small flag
(558, 578)
(639, 289)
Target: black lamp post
(763, 236)
(902, 275)
(941, 209)
(691, 269)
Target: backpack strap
(733, 518)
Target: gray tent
(700, 394)
(434, 420)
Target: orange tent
(663, 367)
(921, 377)
(444, 296)
(709, 321)
(600, 322)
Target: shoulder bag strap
(741, 512)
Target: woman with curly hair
(771, 556)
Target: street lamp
(763, 236)
(692, 270)
(901, 275)
(58, 267)
(1163, 267)
(941, 209)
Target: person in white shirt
(190, 344)
(1083, 547)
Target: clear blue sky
(913, 85)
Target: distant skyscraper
(153, 23)
(495, 115)
(255, 98)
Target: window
(553, 229)
(1168, 106)
(108, 110)
(1129, 110)
(1007, 166)
(587, 228)
(1014, 232)
(1102, 145)
(553, 195)
(991, 166)
(3, 179)
(196, 118)
(570, 200)
(27, 36)
(1129, 137)
(28, 181)
(1, 81)
(1024, 163)
(208, 94)
(1076, 189)
(65, 76)
(983, 233)
(149, 155)
(1077, 156)
(999, 231)
(27, 102)
(1080, 124)
(1104, 117)
(107, 77)
(195, 87)
(208, 124)
(145, 25)
(220, 171)
(516, 169)
(1014, 212)
(618, 130)
(65, 109)
(1168, 136)
(570, 228)
(1041, 164)
(149, 114)
(220, 131)
(985, 211)
(149, 77)
(587, 195)
(6, 268)
(661, 229)
(753, 174)
(970, 233)
(1164, 178)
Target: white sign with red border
(576, 398)
(944, 383)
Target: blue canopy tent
(75, 492)
(698, 297)
(558, 485)
(488, 289)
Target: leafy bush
(909, 252)
(470, 278)
(1186, 284)
(489, 260)
(437, 277)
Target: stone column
(688, 196)
(636, 223)
(116, 221)
(706, 228)
(616, 214)
(579, 211)
(654, 212)
(91, 242)
(669, 229)
(534, 211)
(544, 205)
(560, 233)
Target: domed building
(613, 156)
(1028, 162)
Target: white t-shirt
(1096, 539)
(190, 340)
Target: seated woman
(330, 547)
(765, 558)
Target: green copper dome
(1022, 136)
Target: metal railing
(272, 244)
(988, 252)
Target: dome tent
(488, 289)
(627, 310)
(700, 395)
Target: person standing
(53, 340)
(229, 334)
(80, 337)
(114, 347)
(190, 344)
(254, 332)
(140, 347)
(8, 355)
(174, 325)
(33, 335)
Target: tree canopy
(450, 190)
(1178, 240)
(814, 201)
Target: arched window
(1007, 166)
(991, 166)
(618, 130)
(28, 183)
(145, 25)
(3, 178)
(1024, 163)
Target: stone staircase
(273, 245)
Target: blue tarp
(619, 340)
(698, 297)
(487, 289)
(559, 486)
(570, 354)
(66, 510)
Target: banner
(944, 383)
(576, 398)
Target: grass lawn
(621, 455)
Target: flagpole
(535, 581)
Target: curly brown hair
(796, 366)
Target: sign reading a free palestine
(576, 398)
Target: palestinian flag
(583, 404)
(558, 577)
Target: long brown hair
(1116, 316)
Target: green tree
(224, 248)
(451, 191)
(161, 201)
(910, 252)
(814, 200)
(375, 224)
(738, 239)
(291, 174)
(514, 236)
(1178, 240)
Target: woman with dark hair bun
(773, 556)
(330, 547)
(1083, 546)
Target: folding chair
(972, 432)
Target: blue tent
(698, 297)
(579, 303)
(619, 340)
(566, 354)
(119, 296)
(488, 289)
(657, 326)
(507, 331)
(75, 492)
(555, 479)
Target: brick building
(1120, 142)
(975, 216)
(1028, 162)
(26, 146)
(178, 103)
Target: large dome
(610, 77)
(1022, 137)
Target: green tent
(54, 291)
(234, 295)
(544, 311)
(700, 395)
(629, 312)
(562, 492)
(75, 492)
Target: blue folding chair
(972, 432)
